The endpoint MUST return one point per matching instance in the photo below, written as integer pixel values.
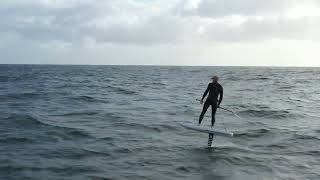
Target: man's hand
(201, 101)
(218, 105)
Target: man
(215, 90)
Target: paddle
(226, 110)
(230, 111)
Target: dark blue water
(121, 122)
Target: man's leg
(213, 113)
(204, 110)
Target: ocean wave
(72, 153)
(315, 153)
(257, 123)
(258, 79)
(15, 140)
(154, 85)
(196, 71)
(66, 170)
(223, 149)
(233, 156)
(138, 126)
(233, 78)
(30, 95)
(107, 138)
(166, 127)
(274, 114)
(110, 141)
(24, 120)
(65, 133)
(4, 78)
(78, 133)
(124, 150)
(158, 84)
(305, 137)
(95, 152)
(29, 123)
(274, 146)
(239, 160)
(287, 88)
(84, 113)
(19, 96)
(122, 90)
(100, 177)
(18, 168)
(301, 152)
(86, 99)
(16, 77)
(69, 85)
(254, 133)
(153, 127)
(261, 132)
(183, 169)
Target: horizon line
(175, 65)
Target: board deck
(208, 130)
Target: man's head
(215, 79)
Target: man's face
(215, 79)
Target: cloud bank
(62, 24)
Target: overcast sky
(161, 32)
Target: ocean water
(122, 122)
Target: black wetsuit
(215, 90)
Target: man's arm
(206, 92)
(220, 96)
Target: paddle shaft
(226, 110)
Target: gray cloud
(155, 30)
(261, 30)
(139, 22)
(216, 8)
(41, 22)
(104, 21)
(250, 20)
